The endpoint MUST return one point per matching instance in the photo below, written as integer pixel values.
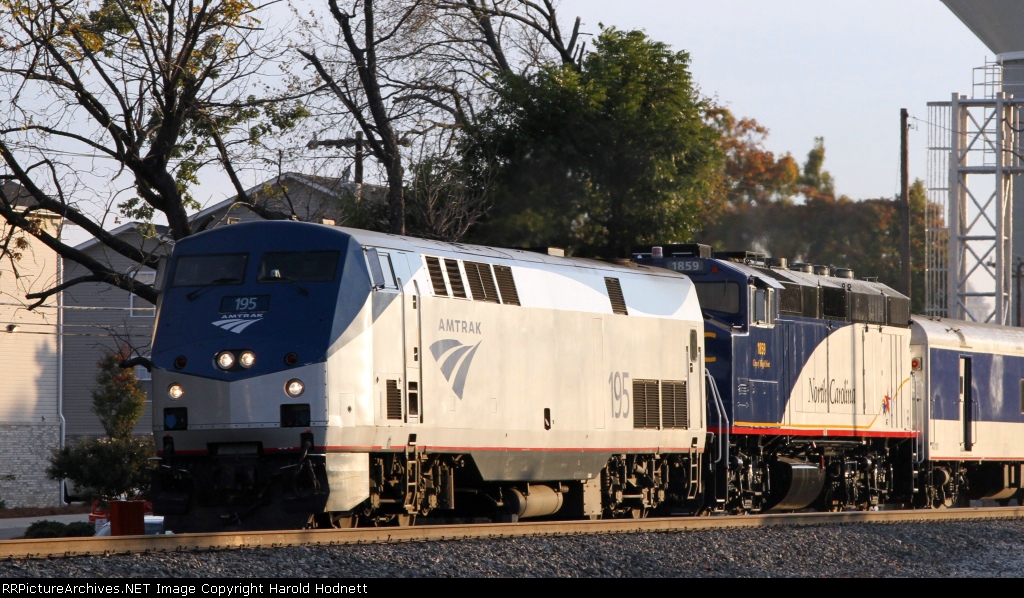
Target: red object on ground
(98, 512)
(127, 518)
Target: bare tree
(413, 74)
(443, 200)
(114, 107)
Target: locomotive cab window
(298, 266)
(382, 275)
(205, 270)
(762, 306)
(720, 297)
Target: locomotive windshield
(204, 270)
(299, 266)
(722, 297)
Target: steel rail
(73, 547)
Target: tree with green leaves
(118, 464)
(815, 181)
(117, 400)
(597, 158)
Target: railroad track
(49, 548)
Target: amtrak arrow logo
(236, 325)
(457, 358)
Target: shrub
(117, 400)
(108, 467)
(79, 529)
(117, 465)
(56, 529)
(46, 529)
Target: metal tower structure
(975, 248)
(970, 218)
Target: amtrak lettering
(829, 392)
(459, 326)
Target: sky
(813, 68)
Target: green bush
(46, 529)
(107, 467)
(56, 529)
(117, 465)
(80, 529)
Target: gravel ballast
(948, 549)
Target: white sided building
(30, 405)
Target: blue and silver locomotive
(311, 375)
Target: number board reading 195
(693, 265)
(252, 303)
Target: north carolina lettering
(830, 393)
(459, 326)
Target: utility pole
(357, 143)
(904, 205)
(359, 157)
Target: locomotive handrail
(720, 408)
(918, 420)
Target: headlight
(246, 359)
(175, 391)
(294, 387)
(225, 360)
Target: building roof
(325, 185)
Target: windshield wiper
(196, 293)
(303, 290)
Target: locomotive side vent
(436, 276)
(506, 285)
(646, 414)
(898, 311)
(834, 304)
(812, 302)
(455, 278)
(866, 308)
(481, 282)
(674, 406)
(791, 299)
(394, 400)
(615, 295)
